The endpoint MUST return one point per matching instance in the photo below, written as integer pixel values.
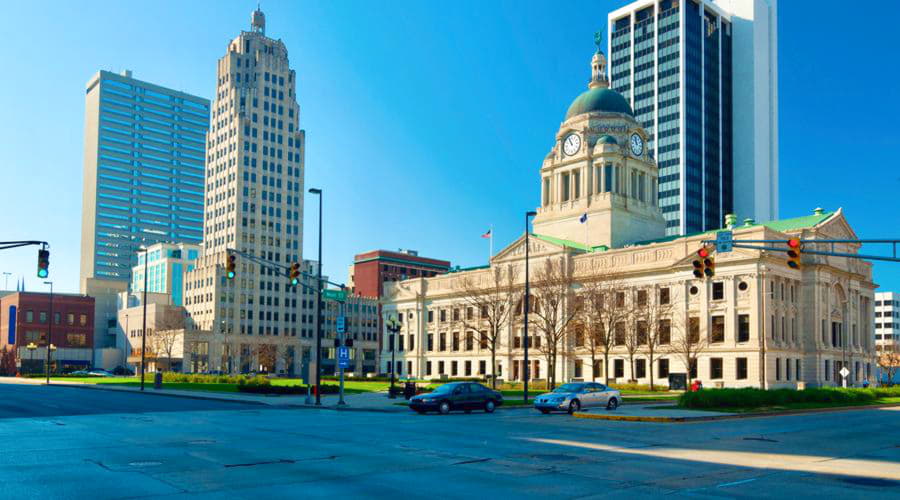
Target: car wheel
(490, 406)
(545, 411)
(444, 408)
(613, 404)
(574, 406)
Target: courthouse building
(754, 322)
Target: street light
(49, 330)
(528, 216)
(31, 347)
(319, 307)
(144, 329)
(393, 326)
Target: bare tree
(688, 345)
(655, 311)
(889, 361)
(491, 299)
(553, 311)
(164, 340)
(266, 356)
(604, 310)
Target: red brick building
(372, 269)
(25, 318)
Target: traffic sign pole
(341, 324)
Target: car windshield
(569, 388)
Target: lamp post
(393, 326)
(49, 330)
(31, 347)
(144, 328)
(319, 307)
(528, 216)
(6, 276)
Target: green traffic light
(42, 273)
(295, 282)
(230, 275)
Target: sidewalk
(367, 401)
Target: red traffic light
(794, 242)
(703, 252)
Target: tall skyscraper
(253, 203)
(702, 77)
(144, 148)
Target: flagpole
(491, 243)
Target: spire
(598, 65)
(258, 21)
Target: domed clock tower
(599, 183)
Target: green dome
(599, 99)
(607, 139)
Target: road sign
(337, 295)
(341, 324)
(844, 372)
(724, 240)
(343, 356)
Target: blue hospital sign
(12, 325)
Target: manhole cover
(144, 463)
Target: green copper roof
(607, 139)
(562, 242)
(599, 99)
(782, 226)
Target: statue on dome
(598, 40)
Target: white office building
(887, 319)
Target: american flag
(487, 234)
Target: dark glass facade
(679, 84)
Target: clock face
(572, 144)
(637, 145)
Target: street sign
(844, 372)
(343, 356)
(341, 324)
(724, 241)
(336, 295)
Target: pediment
(536, 248)
(837, 228)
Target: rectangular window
(76, 339)
(430, 341)
(428, 368)
(662, 368)
(455, 341)
(468, 368)
(640, 368)
(470, 341)
(42, 316)
(797, 371)
(787, 369)
(715, 368)
(442, 346)
(664, 296)
(619, 368)
(619, 336)
(430, 316)
(718, 290)
(482, 366)
(740, 369)
(827, 369)
(717, 334)
(483, 341)
(565, 187)
(453, 368)
(693, 330)
(579, 368)
(777, 368)
(665, 331)
(70, 318)
(577, 182)
(743, 328)
(399, 342)
(440, 368)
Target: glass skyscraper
(144, 152)
(673, 60)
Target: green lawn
(350, 387)
(799, 406)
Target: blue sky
(426, 121)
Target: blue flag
(583, 218)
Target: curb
(97, 387)
(730, 416)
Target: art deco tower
(253, 203)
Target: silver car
(574, 396)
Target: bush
(640, 387)
(359, 379)
(756, 398)
(195, 378)
(283, 389)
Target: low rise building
(66, 322)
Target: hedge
(284, 389)
(755, 398)
(193, 378)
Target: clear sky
(426, 121)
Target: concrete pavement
(236, 451)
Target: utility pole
(528, 215)
(49, 330)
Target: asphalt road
(230, 451)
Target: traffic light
(43, 263)
(295, 274)
(348, 342)
(231, 266)
(704, 265)
(795, 249)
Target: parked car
(99, 373)
(122, 370)
(574, 396)
(466, 396)
(80, 373)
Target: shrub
(197, 378)
(756, 398)
(283, 389)
(640, 387)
